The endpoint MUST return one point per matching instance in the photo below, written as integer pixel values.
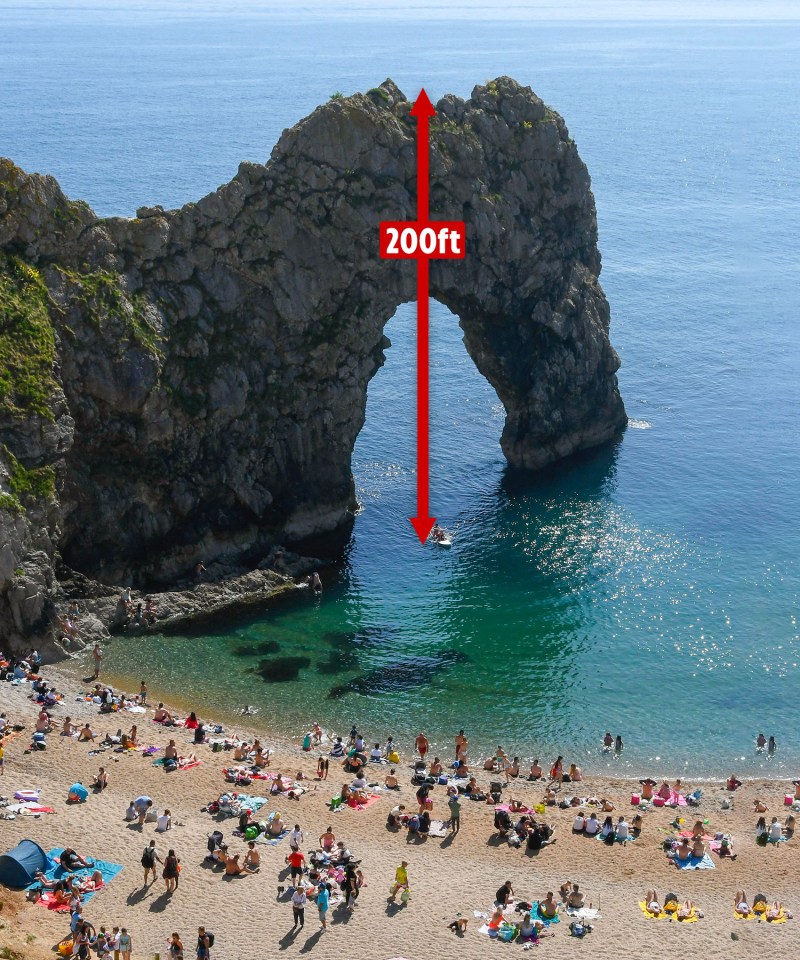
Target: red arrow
(422, 523)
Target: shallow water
(652, 588)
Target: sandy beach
(447, 876)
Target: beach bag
(216, 748)
(538, 808)
(636, 799)
(170, 765)
(443, 780)
(251, 833)
(210, 938)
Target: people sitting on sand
(100, 781)
(70, 860)
(607, 828)
(775, 831)
(761, 828)
(504, 895)
(789, 825)
(276, 826)
(698, 848)
(591, 825)
(665, 791)
(512, 770)
(575, 773)
(337, 750)
(162, 715)
(579, 823)
(252, 859)
(759, 806)
(68, 728)
(502, 822)
(740, 904)
(164, 822)
(647, 788)
(233, 868)
(636, 825)
(129, 740)
(550, 797)
(535, 771)
(241, 751)
(390, 781)
(261, 759)
(683, 852)
(436, 768)
(548, 907)
(86, 733)
(732, 782)
(528, 929)
(540, 836)
(191, 722)
(622, 830)
(572, 895)
(396, 814)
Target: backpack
(149, 857)
(210, 938)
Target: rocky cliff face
(190, 383)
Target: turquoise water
(652, 588)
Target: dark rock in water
(400, 675)
(256, 649)
(363, 637)
(339, 662)
(281, 669)
(189, 384)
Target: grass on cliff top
(27, 342)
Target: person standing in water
(421, 744)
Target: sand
(447, 876)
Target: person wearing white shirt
(622, 829)
(164, 822)
(775, 830)
(296, 837)
(299, 901)
(579, 823)
(376, 752)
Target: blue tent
(18, 866)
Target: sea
(650, 588)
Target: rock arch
(211, 363)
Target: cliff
(190, 383)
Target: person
(775, 830)
(233, 868)
(733, 783)
(621, 832)
(437, 533)
(647, 788)
(199, 570)
(455, 812)
(97, 654)
(142, 805)
(143, 694)
(548, 908)
(608, 740)
(171, 871)
(191, 722)
(686, 910)
(396, 815)
(771, 745)
(592, 825)
(759, 806)
(557, 771)
(322, 768)
(579, 823)
(618, 744)
(68, 728)
(504, 895)
(100, 782)
(698, 848)
(761, 827)
(608, 827)
(125, 944)
(400, 880)
(540, 837)
(740, 904)
(296, 837)
(162, 715)
(203, 950)
(252, 859)
(575, 773)
(327, 840)
(164, 822)
(528, 932)
(788, 827)
(86, 733)
(459, 925)
(652, 902)
(70, 860)
(512, 770)
(175, 948)
(315, 582)
(323, 902)
(535, 771)
(761, 741)
(575, 898)
(390, 781)
(296, 862)
(636, 825)
(149, 858)
(421, 745)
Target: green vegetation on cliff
(27, 341)
(36, 483)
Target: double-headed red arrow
(422, 240)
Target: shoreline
(452, 873)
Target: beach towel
(27, 809)
(539, 916)
(251, 804)
(742, 916)
(584, 913)
(271, 841)
(438, 828)
(363, 806)
(652, 916)
(696, 863)
(676, 800)
(627, 839)
(107, 870)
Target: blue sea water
(651, 589)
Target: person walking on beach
(400, 880)
(422, 745)
(323, 902)
(171, 871)
(175, 948)
(149, 858)
(97, 653)
(205, 942)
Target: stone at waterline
(256, 649)
(339, 662)
(399, 675)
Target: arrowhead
(423, 107)
(423, 526)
